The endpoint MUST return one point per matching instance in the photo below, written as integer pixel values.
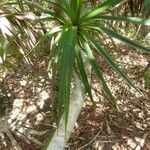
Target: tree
(74, 37)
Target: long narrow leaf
(136, 20)
(67, 45)
(41, 9)
(98, 72)
(99, 9)
(76, 8)
(83, 73)
(108, 59)
(46, 35)
(124, 39)
(68, 10)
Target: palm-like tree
(73, 38)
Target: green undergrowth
(147, 77)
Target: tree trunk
(62, 135)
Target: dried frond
(17, 28)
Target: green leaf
(109, 59)
(83, 73)
(124, 39)
(56, 17)
(98, 71)
(48, 34)
(99, 9)
(136, 20)
(76, 6)
(68, 10)
(67, 46)
(145, 8)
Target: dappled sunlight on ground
(29, 96)
(27, 113)
(106, 128)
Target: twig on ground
(90, 141)
(13, 140)
(54, 126)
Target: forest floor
(125, 128)
(99, 128)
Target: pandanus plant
(73, 35)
